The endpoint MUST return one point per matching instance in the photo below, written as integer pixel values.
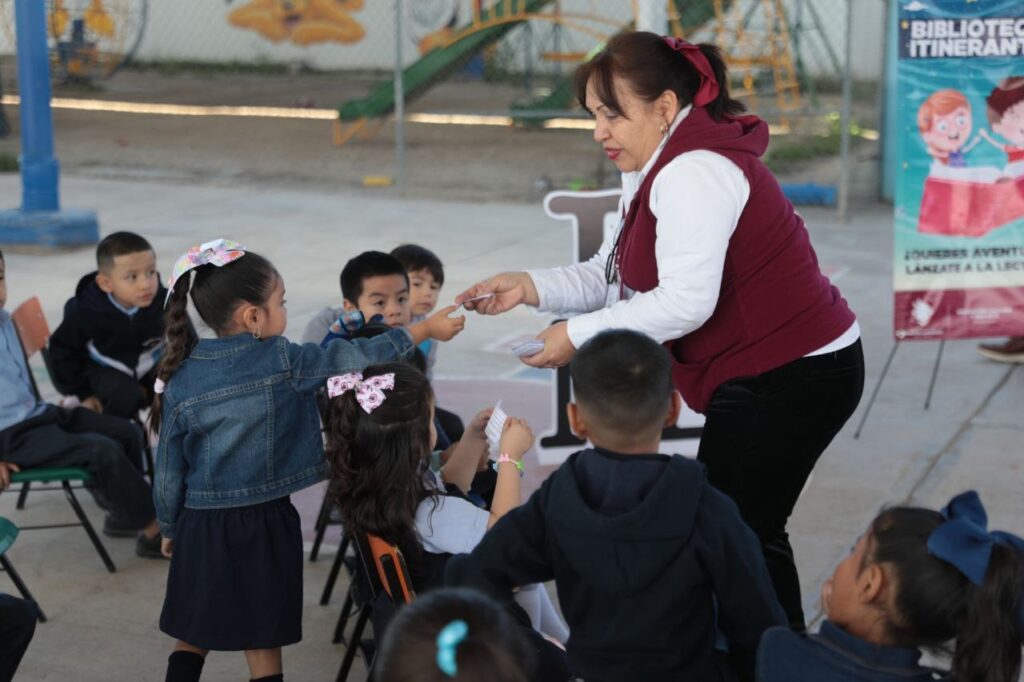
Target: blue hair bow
(964, 541)
(448, 640)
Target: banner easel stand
(881, 379)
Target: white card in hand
(482, 297)
(528, 348)
(495, 427)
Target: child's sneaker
(149, 548)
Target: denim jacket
(240, 423)
(834, 655)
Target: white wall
(199, 30)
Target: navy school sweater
(643, 551)
(94, 330)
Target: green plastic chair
(64, 476)
(8, 534)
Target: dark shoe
(148, 548)
(117, 528)
(1011, 351)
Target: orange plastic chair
(386, 572)
(31, 324)
(391, 569)
(33, 331)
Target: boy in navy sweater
(106, 349)
(650, 561)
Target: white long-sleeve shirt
(697, 199)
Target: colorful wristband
(518, 463)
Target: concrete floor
(104, 626)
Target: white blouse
(697, 199)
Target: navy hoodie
(643, 551)
(834, 655)
(94, 330)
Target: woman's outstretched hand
(558, 349)
(509, 289)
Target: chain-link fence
(491, 63)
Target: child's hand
(6, 468)
(442, 327)
(475, 429)
(93, 403)
(516, 438)
(166, 547)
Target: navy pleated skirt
(235, 580)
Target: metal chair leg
(321, 528)
(353, 646)
(23, 494)
(332, 577)
(346, 613)
(96, 542)
(19, 583)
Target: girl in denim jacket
(916, 578)
(239, 432)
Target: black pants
(110, 448)
(762, 438)
(17, 625)
(120, 394)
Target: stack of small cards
(525, 349)
(495, 427)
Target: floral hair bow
(964, 541)
(708, 89)
(369, 392)
(219, 252)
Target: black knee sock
(184, 666)
(270, 678)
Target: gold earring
(664, 129)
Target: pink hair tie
(159, 386)
(708, 90)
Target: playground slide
(436, 65)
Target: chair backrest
(586, 211)
(390, 567)
(32, 328)
(8, 533)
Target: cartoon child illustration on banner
(1006, 116)
(964, 200)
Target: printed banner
(959, 226)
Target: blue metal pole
(39, 167)
(40, 222)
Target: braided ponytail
(180, 340)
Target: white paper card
(495, 426)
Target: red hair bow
(708, 90)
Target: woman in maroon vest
(711, 259)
